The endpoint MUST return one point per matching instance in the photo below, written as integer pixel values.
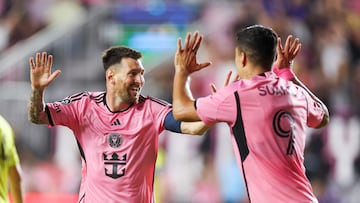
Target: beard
(132, 96)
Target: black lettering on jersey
(114, 162)
(283, 125)
(262, 91)
(273, 90)
(57, 107)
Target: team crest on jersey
(114, 140)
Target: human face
(128, 80)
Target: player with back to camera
(116, 130)
(267, 111)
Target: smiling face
(126, 79)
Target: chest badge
(114, 140)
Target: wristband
(284, 73)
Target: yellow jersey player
(9, 165)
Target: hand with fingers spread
(185, 58)
(286, 55)
(261, 107)
(226, 82)
(40, 71)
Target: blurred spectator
(72, 8)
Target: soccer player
(10, 170)
(116, 130)
(267, 112)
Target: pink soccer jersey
(268, 117)
(118, 149)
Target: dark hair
(259, 44)
(115, 54)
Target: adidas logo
(116, 122)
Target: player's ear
(109, 74)
(241, 57)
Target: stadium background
(189, 169)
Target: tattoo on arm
(36, 108)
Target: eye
(133, 73)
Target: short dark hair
(115, 54)
(259, 43)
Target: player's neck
(251, 71)
(116, 104)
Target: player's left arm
(282, 67)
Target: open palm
(185, 57)
(40, 71)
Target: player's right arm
(40, 78)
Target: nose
(139, 79)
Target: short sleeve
(218, 107)
(66, 111)
(159, 110)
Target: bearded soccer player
(267, 111)
(116, 130)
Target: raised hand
(185, 57)
(40, 71)
(286, 55)
(226, 82)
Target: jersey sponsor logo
(284, 127)
(114, 140)
(114, 162)
(116, 122)
(66, 101)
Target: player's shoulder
(85, 96)
(6, 134)
(5, 126)
(149, 99)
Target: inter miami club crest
(114, 140)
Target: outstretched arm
(40, 78)
(185, 64)
(282, 67)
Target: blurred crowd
(203, 169)
(20, 19)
